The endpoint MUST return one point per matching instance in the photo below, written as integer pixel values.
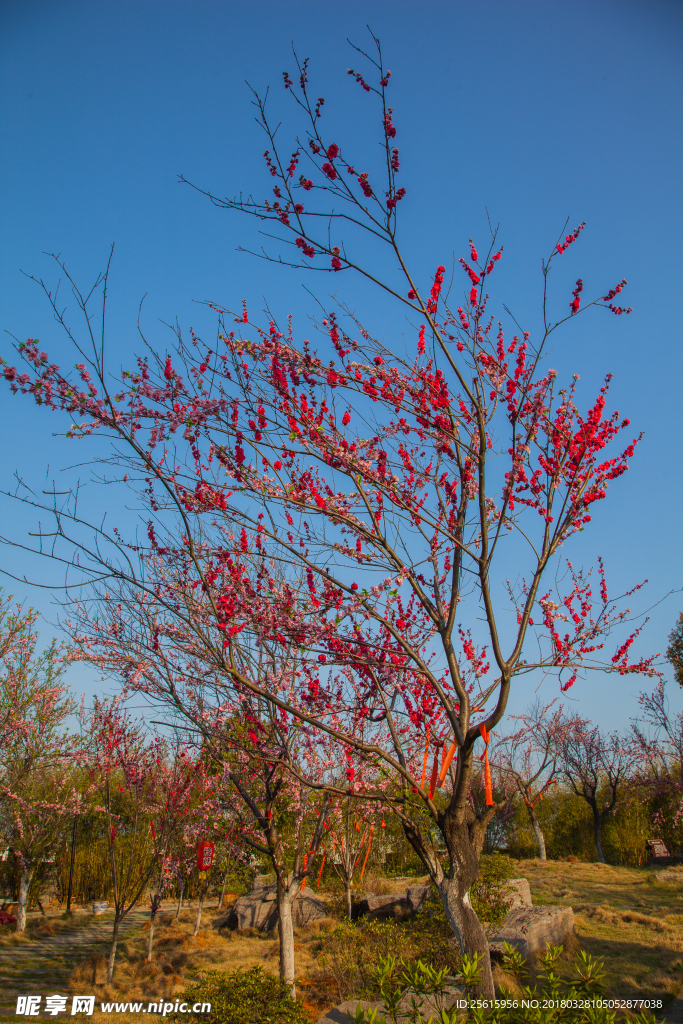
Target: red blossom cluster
(576, 301)
(570, 238)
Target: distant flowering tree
(258, 763)
(530, 759)
(41, 785)
(597, 768)
(145, 787)
(658, 741)
(351, 830)
(22, 675)
(393, 483)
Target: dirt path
(41, 966)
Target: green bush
(489, 892)
(243, 997)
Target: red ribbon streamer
(424, 763)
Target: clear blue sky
(535, 111)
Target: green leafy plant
(243, 997)
(489, 892)
(551, 1001)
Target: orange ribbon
(320, 873)
(487, 770)
(452, 751)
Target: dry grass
(39, 927)
(177, 955)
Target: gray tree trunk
(468, 931)
(24, 884)
(285, 906)
(199, 914)
(538, 833)
(150, 941)
(347, 897)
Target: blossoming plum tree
(391, 482)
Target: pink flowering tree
(351, 829)
(530, 758)
(260, 762)
(391, 481)
(145, 787)
(658, 742)
(21, 673)
(597, 768)
(41, 783)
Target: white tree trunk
(112, 951)
(285, 906)
(24, 884)
(199, 915)
(347, 898)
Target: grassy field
(624, 916)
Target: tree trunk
(112, 952)
(180, 900)
(463, 839)
(347, 897)
(597, 826)
(538, 832)
(24, 883)
(199, 914)
(150, 941)
(225, 882)
(285, 903)
(468, 931)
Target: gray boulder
(528, 929)
(345, 1012)
(519, 893)
(675, 877)
(259, 910)
(429, 1006)
(415, 896)
(379, 908)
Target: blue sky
(534, 111)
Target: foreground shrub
(404, 991)
(243, 997)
